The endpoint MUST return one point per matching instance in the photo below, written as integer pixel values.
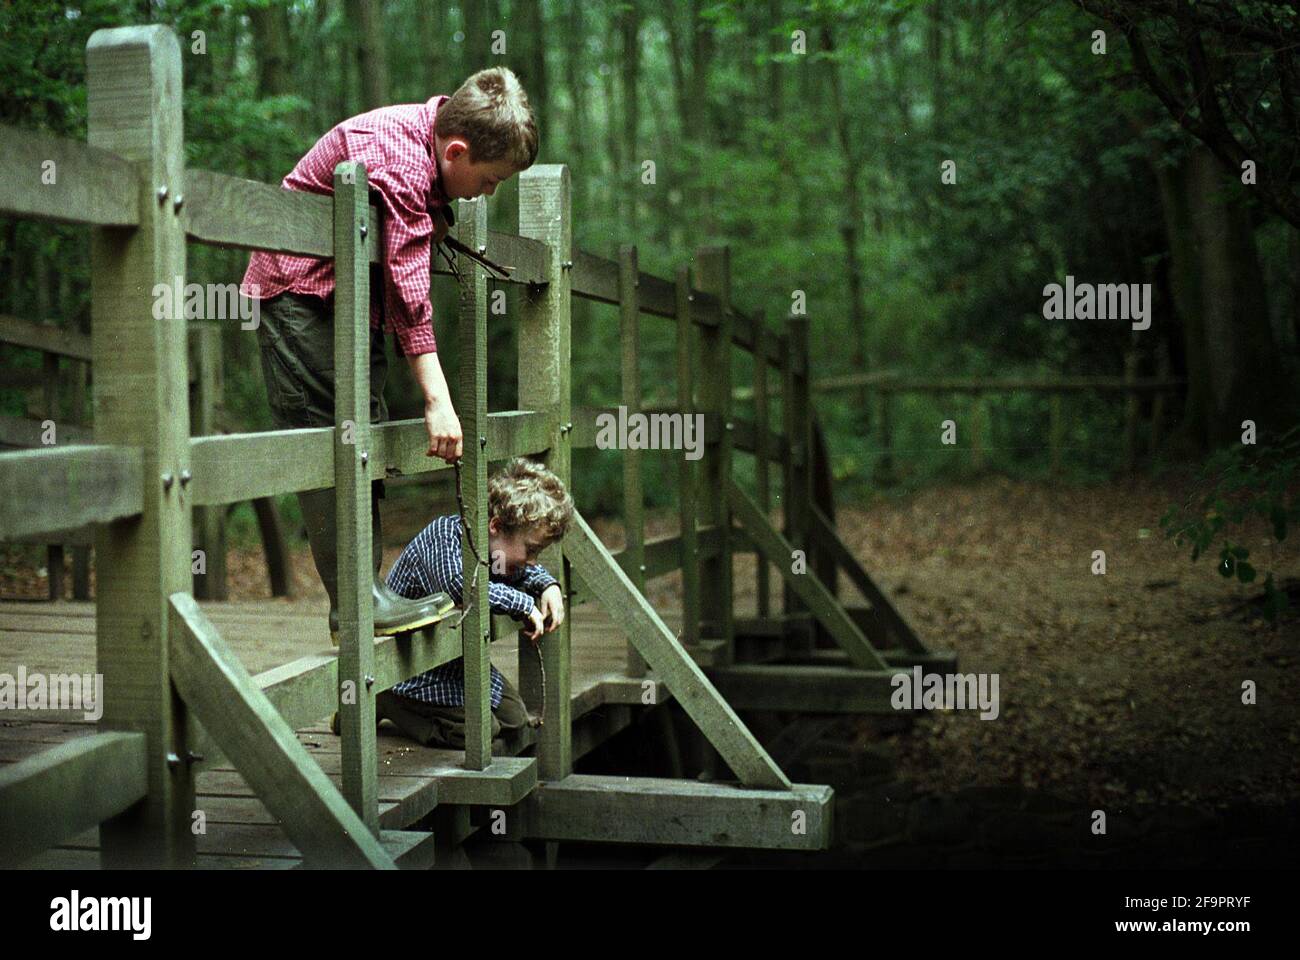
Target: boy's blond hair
(525, 495)
(490, 110)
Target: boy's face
(509, 552)
(464, 179)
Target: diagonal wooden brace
(669, 660)
(250, 731)
(776, 550)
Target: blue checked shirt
(432, 563)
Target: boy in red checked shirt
(419, 157)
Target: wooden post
(762, 476)
(1132, 403)
(713, 275)
(141, 399)
(884, 439)
(353, 473)
(544, 384)
(629, 315)
(209, 522)
(977, 411)
(471, 230)
(1158, 399)
(1056, 432)
(686, 468)
(798, 431)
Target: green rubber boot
(395, 613)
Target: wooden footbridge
(211, 749)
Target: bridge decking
(59, 637)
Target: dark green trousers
(441, 726)
(296, 337)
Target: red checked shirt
(396, 145)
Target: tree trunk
(630, 178)
(851, 225)
(366, 20)
(271, 44)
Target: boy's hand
(445, 437)
(551, 604)
(533, 627)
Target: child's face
(509, 553)
(464, 179)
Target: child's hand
(532, 629)
(551, 604)
(443, 426)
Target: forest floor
(1119, 692)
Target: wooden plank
(353, 473)
(760, 446)
(231, 468)
(141, 400)
(665, 656)
(713, 277)
(502, 783)
(65, 789)
(680, 813)
(775, 549)
(895, 622)
(247, 728)
(46, 337)
(232, 212)
(686, 487)
(529, 259)
(57, 488)
(544, 375)
(633, 554)
(805, 689)
(471, 228)
(53, 178)
(797, 427)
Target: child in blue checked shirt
(528, 510)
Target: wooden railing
(144, 474)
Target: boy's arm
(445, 563)
(533, 579)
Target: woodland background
(820, 167)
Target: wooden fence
(176, 699)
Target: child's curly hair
(525, 495)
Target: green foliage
(1236, 485)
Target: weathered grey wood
(502, 783)
(353, 473)
(713, 277)
(29, 432)
(64, 487)
(247, 728)
(670, 662)
(894, 621)
(471, 230)
(210, 522)
(777, 550)
(797, 427)
(686, 486)
(762, 477)
(66, 789)
(633, 555)
(805, 689)
(46, 337)
(133, 78)
(891, 383)
(233, 467)
(544, 384)
(649, 810)
(90, 185)
(233, 212)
